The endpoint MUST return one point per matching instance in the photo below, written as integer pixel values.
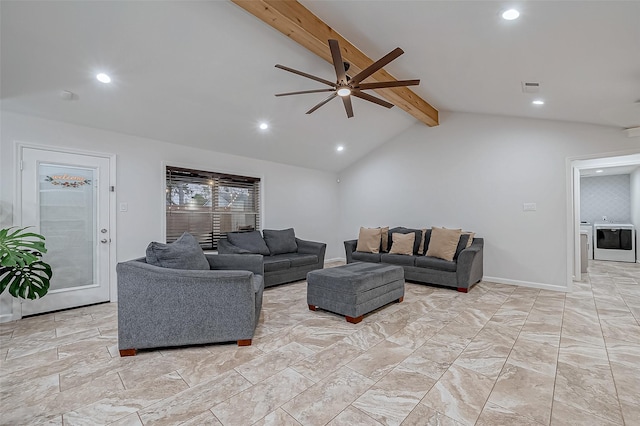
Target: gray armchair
(161, 307)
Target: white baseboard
(526, 284)
(7, 318)
(335, 259)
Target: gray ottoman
(355, 289)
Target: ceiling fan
(346, 86)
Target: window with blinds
(208, 205)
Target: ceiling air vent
(530, 87)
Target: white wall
(301, 198)
(635, 207)
(475, 172)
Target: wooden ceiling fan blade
(304, 74)
(368, 97)
(333, 95)
(338, 63)
(384, 84)
(346, 100)
(377, 65)
(305, 91)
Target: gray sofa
(286, 258)
(461, 273)
(162, 307)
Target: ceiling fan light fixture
(344, 91)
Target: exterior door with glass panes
(65, 197)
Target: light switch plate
(124, 207)
(529, 207)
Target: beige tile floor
(499, 355)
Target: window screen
(209, 204)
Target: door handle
(104, 241)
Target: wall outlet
(604, 218)
(529, 207)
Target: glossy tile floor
(499, 355)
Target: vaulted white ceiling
(202, 73)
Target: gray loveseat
(286, 258)
(462, 272)
(216, 298)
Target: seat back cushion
(280, 241)
(183, 253)
(251, 241)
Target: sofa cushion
(278, 262)
(398, 259)
(280, 241)
(471, 237)
(402, 243)
(183, 253)
(298, 259)
(251, 241)
(443, 243)
(435, 263)
(403, 230)
(366, 257)
(369, 240)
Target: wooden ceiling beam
(298, 23)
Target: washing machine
(588, 228)
(614, 241)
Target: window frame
(223, 179)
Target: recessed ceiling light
(340, 148)
(599, 171)
(263, 126)
(103, 78)
(538, 102)
(510, 14)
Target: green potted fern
(21, 267)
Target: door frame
(16, 308)
(574, 165)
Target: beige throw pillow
(384, 237)
(470, 240)
(402, 243)
(369, 240)
(443, 243)
(424, 237)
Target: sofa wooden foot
(128, 352)
(312, 307)
(463, 290)
(354, 320)
(245, 342)
(401, 299)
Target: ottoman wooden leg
(354, 320)
(312, 307)
(463, 290)
(401, 299)
(244, 342)
(128, 352)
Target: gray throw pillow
(280, 241)
(251, 241)
(183, 253)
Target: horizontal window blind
(209, 204)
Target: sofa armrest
(312, 247)
(470, 264)
(349, 248)
(238, 262)
(169, 307)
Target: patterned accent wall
(605, 196)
